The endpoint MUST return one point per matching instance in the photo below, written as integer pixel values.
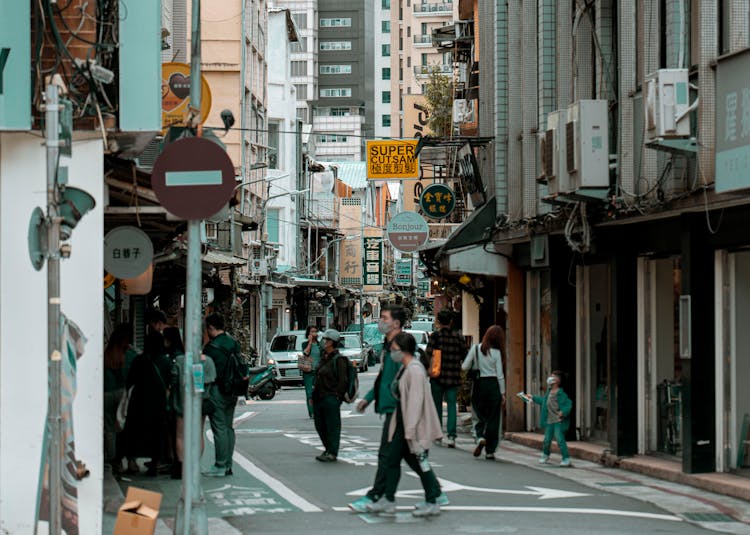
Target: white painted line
(244, 416)
(271, 482)
(556, 510)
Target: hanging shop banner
(403, 273)
(392, 159)
(416, 116)
(408, 231)
(437, 201)
(128, 252)
(175, 95)
(373, 261)
(15, 59)
(733, 123)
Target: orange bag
(435, 363)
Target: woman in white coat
(411, 432)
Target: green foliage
(439, 97)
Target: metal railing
(425, 39)
(426, 70)
(439, 7)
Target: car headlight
(271, 361)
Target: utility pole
(193, 520)
(54, 340)
(363, 212)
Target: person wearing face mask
(329, 390)
(412, 429)
(311, 354)
(555, 417)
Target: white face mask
(385, 326)
(397, 356)
(551, 380)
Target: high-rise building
(382, 60)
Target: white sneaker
(544, 459)
(565, 463)
(440, 500)
(382, 506)
(429, 509)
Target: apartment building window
(273, 144)
(385, 4)
(386, 120)
(335, 45)
(272, 225)
(424, 59)
(335, 92)
(408, 31)
(299, 68)
(385, 50)
(340, 112)
(408, 61)
(385, 26)
(386, 73)
(424, 28)
(386, 97)
(335, 69)
(332, 138)
(300, 19)
(301, 91)
(300, 46)
(335, 23)
(302, 114)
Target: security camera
(227, 118)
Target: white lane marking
(244, 416)
(350, 414)
(556, 510)
(271, 482)
(277, 402)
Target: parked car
(421, 337)
(425, 317)
(351, 346)
(373, 340)
(283, 352)
(426, 326)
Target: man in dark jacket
(220, 349)
(445, 386)
(329, 390)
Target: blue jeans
(450, 394)
(556, 431)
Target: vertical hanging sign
(373, 261)
(15, 66)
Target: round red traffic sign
(193, 178)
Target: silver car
(285, 347)
(422, 338)
(351, 347)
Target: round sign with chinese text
(408, 231)
(437, 201)
(128, 252)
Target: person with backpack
(225, 353)
(445, 370)
(331, 387)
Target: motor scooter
(262, 382)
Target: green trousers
(381, 475)
(450, 395)
(309, 379)
(222, 426)
(327, 412)
(555, 430)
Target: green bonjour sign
(15, 65)
(437, 201)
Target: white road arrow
(350, 414)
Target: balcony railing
(426, 70)
(423, 39)
(438, 8)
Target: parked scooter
(263, 383)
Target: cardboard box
(137, 516)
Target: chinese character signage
(437, 201)
(392, 159)
(15, 66)
(128, 252)
(403, 273)
(373, 261)
(350, 251)
(733, 123)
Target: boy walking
(555, 417)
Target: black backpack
(352, 381)
(234, 378)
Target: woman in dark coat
(147, 411)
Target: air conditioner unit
(552, 153)
(666, 104)
(258, 262)
(587, 144)
(462, 111)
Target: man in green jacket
(392, 320)
(220, 348)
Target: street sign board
(437, 201)
(373, 261)
(193, 178)
(128, 252)
(15, 59)
(733, 122)
(408, 231)
(392, 159)
(175, 95)
(403, 273)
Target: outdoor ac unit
(666, 105)
(587, 144)
(462, 111)
(552, 153)
(258, 262)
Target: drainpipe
(530, 120)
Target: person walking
(310, 362)
(445, 385)
(221, 348)
(488, 391)
(555, 417)
(329, 390)
(411, 431)
(115, 353)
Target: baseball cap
(332, 334)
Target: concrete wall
(23, 340)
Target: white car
(351, 347)
(285, 348)
(422, 337)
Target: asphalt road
(279, 487)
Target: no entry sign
(408, 231)
(193, 178)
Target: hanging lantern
(140, 285)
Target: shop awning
(223, 259)
(475, 229)
(310, 283)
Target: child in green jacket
(555, 417)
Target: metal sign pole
(54, 423)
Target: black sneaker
(229, 472)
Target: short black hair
(445, 317)
(406, 342)
(397, 313)
(155, 316)
(173, 339)
(153, 345)
(310, 328)
(215, 320)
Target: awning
(475, 229)
(310, 283)
(222, 259)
